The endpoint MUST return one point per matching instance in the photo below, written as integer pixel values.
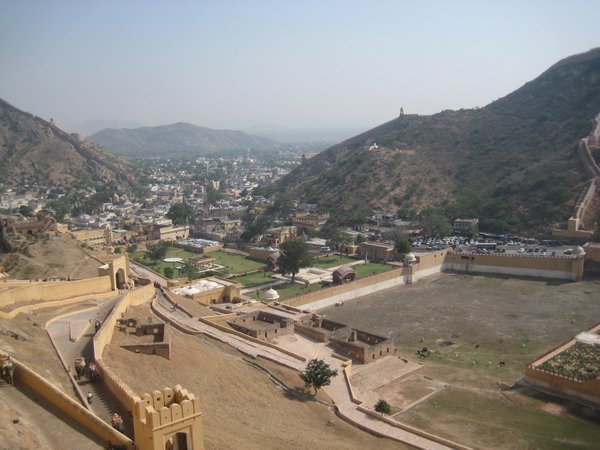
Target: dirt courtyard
(481, 331)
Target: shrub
(383, 407)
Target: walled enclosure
(588, 390)
(365, 347)
(262, 325)
(569, 268)
(161, 344)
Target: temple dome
(271, 295)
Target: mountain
(514, 163)
(179, 139)
(35, 151)
(93, 126)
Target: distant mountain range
(179, 140)
(35, 151)
(513, 163)
(93, 126)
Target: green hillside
(513, 163)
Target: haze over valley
(268, 224)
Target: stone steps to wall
(370, 376)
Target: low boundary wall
(104, 336)
(69, 406)
(348, 291)
(52, 291)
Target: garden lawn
(295, 290)
(366, 270)
(235, 263)
(254, 279)
(232, 263)
(325, 262)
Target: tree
(434, 223)
(383, 407)
(132, 248)
(25, 211)
(169, 272)
(294, 255)
(317, 374)
(181, 214)
(157, 251)
(189, 270)
(402, 245)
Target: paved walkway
(338, 390)
(72, 335)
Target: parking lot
(462, 244)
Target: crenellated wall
(552, 267)
(168, 415)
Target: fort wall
(553, 267)
(104, 336)
(69, 406)
(348, 291)
(54, 290)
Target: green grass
(326, 262)
(366, 270)
(295, 290)
(254, 279)
(232, 263)
(235, 263)
(497, 420)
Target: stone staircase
(369, 377)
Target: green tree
(294, 255)
(434, 223)
(25, 211)
(118, 251)
(169, 272)
(402, 245)
(132, 248)
(189, 270)
(157, 251)
(181, 214)
(383, 407)
(317, 374)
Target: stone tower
(168, 420)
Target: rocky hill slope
(37, 152)
(513, 163)
(178, 139)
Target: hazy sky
(235, 64)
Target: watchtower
(168, 420)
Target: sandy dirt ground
(241, 406)
(58, 256)
(482, 331)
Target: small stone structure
(262, 325)
(343, 274)
(168, 420)
(158, 331)
(361, 345)
(39, 225)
